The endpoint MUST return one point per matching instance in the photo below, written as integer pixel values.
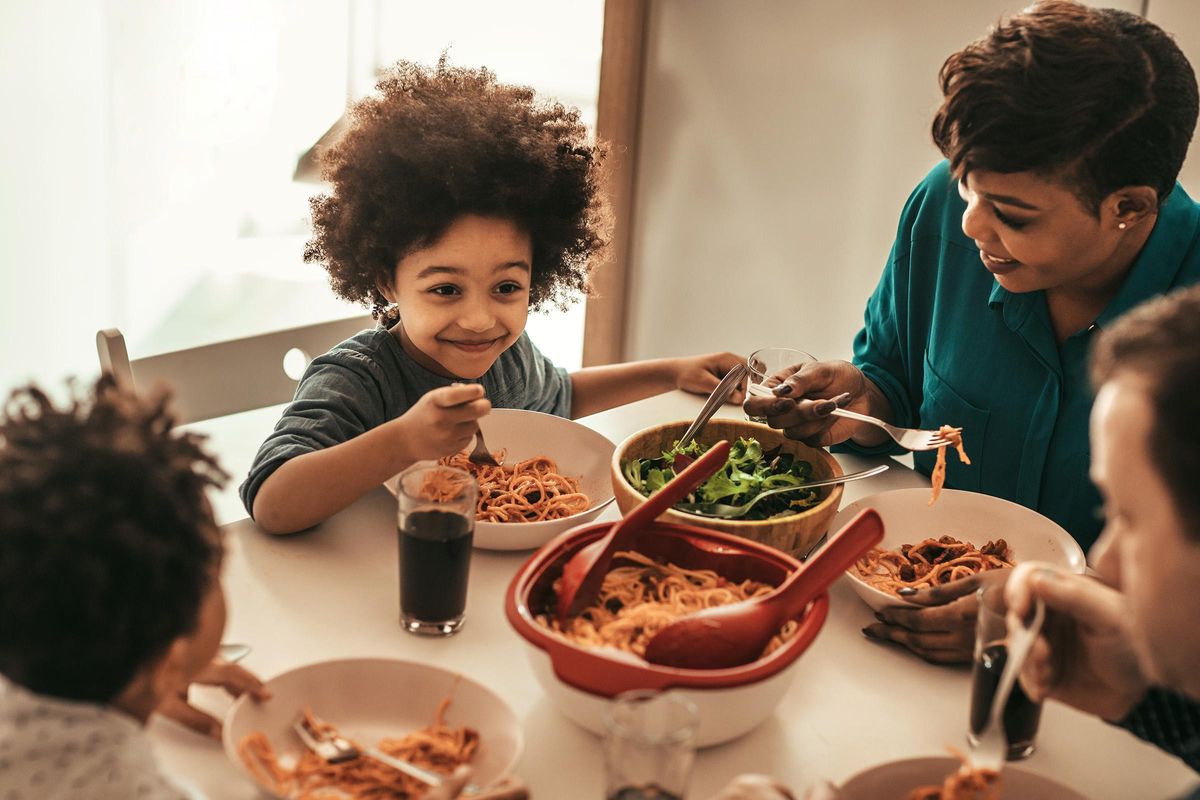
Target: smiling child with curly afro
(456, 204)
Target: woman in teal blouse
(1056, 210)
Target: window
(149, 183)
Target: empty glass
(766, 362)
(649, 745)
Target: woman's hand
(754, 787)
(230, 677)
(701, 374)
(1084, 656)
(805, 398)
(443, 421)
(941, 629)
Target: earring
(1121, 225)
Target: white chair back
(214, 380)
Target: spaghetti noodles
(938, 478)
(967, 783)
(438, 748)
(638, 600)
(930, 562)
(529, 491)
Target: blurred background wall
(779, 141)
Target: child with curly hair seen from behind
(110, 593)
(457, 205)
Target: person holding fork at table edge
(1056, 209)
(457, 205)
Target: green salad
(748, 471)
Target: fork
(991, 745)
(335, 749)
(481, 454)
(908, 438)
(724, 511)
(714, 401)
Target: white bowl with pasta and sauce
(370, 700)
(896, 779)
(515, 437)
(581, 678)
(908, 519)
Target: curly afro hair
(107, 540)
(437, 143)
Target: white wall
(779, 141)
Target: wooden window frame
(618, 117)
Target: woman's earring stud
(1121, 225)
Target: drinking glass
(649, 745)
(1021, 715)
(762, 364)
(436, 522)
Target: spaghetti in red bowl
(579, 678)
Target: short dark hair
(1099, 98)
(438, 143)
(107, 542)
(1160, 340)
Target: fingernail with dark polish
(906, 591)
(842, 399)
(879, 617)
(824, 408)
(783, 389)
(870, 634)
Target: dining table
(332, 592)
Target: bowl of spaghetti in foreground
(580, 671)
(970, 518)
(430, 716)
(897, 780)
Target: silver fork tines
(481, 454)
(908, 438)
(333, 749)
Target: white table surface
(333, 592)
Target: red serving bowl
(579, 680)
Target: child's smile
(464, 299)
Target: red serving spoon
(583, 575)
(736, 634)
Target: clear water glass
(768, 366)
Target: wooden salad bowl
(794, 534)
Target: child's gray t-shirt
(368, 380)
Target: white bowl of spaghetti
(429, 716)
(913, 528)
(922, 777)
(553, 475)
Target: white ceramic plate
(895, 779)
(370, 698)
(908, 518)
(579, 451)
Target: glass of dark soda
(649, 745)
(435, 526)
(1021, 715)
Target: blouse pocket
(941, 405)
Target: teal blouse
(947, 345)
